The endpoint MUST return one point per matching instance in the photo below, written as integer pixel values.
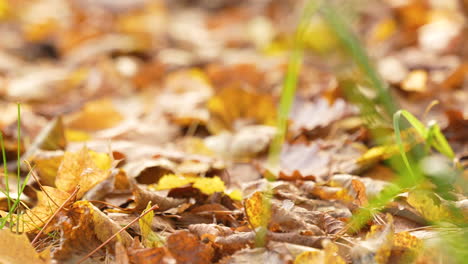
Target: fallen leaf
(204, 184)
(416, 81)
(84, 227)
(256, 210)
(85, 168)
(233, 107)
(143, 197)
(149, 237)
(16, 249)
(320, 113)
(95, 115)
(48, 201)
(319, 160)
(186, 248)
(377, 246)
(329, 254)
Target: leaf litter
(145, 127)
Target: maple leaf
(48, 201)
(85, 168)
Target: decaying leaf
(187, 248)
(84, 228)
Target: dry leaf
(234, 106)
(84, 227)
(186, 248)
(256, 210)
(328, 255)
(143, 196)
(377, 246)
(16, 249)
(85, 168)
(95, 115)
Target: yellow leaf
(328, 255)
(209, 185)
(428, 205)
(47, 167)
(95, 115)
(205, 185)
(85, 168)
(150, 238)
(48, 201)
(235, 103)
(171, 181)
(73, 135)
(102, 160)
(16, 249)
(406, 247)
(257, 209)
(236, 195)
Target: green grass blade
(396, 125)
(352, 45)
(5, 171)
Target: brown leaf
(84, 227)
(319, 160)
(186, 248)
(143, 196)
(317, 114)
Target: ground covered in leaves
(145, 129)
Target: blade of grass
(290, 84)
(354, 48)
(18, 161)
(5, 172)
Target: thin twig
(56, 212)
(154, 207)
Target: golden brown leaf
(85, 168)
(95, 115)
(237, 104)
(187, 248)
(16, 249)
(48, 201)
(84, 227)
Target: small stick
(56, 212)
(154, 207)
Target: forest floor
(228, 131)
